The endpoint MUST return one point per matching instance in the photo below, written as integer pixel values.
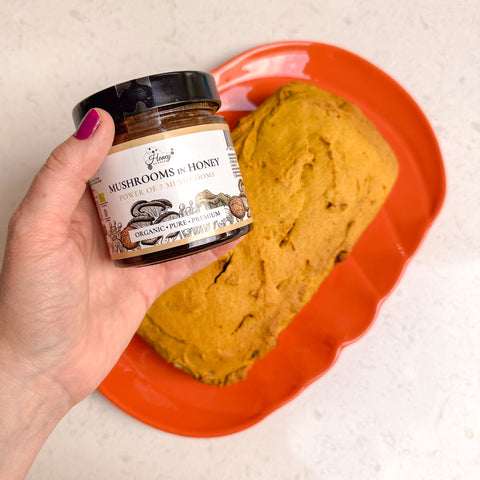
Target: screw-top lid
(141, 94)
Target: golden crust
(316, 172)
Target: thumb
(60, 183)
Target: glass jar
(171, 185)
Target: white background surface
(401, 403)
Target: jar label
(170, 189)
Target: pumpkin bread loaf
(316, 172)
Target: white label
(170, 189)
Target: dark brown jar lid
(141, 94)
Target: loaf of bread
(316, 172)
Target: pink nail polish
(88, 125)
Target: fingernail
(88, 125)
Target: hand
(67, 313)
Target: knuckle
(17, 226)
(58, 160)
(15, 220)
(64, 162)
(55, 160)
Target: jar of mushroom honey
(171, 185)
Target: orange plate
(149, 389)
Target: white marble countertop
(401, 403)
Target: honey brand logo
(155, 156)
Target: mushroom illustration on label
(243, 198)
(146, 213)
(211, 200)
(125, 238)
(237, 204)
(237, 207)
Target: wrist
(31, 405)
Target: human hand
(67, 313)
